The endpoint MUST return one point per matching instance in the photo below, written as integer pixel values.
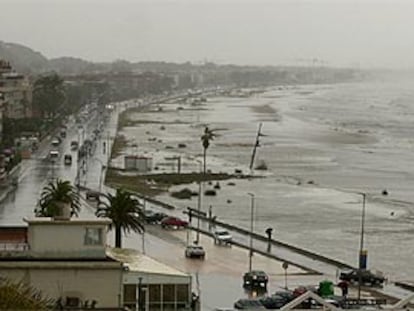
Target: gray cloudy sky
(340, 32)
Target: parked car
(173, 222)
(74, 145)
(286, 294)
(56, 142)
(255, 278)
(53, 155)
(67, 159)
(222, 236)
(367, 277)
(195, 251)
(300, 290)
(152, 217)
(277, 300)
(248, 304)
(92, 195)
(273, 302)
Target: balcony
(13, 249)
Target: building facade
(151, 285)
(17, 93)
(70, 262)
(66, 260)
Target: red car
(173, 222)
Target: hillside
(23, 59)
(28, 61)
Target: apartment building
(17, 93)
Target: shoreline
(346, 204)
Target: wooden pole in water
(257, 144)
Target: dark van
(68, 159)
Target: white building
(140, 164)
(69, 261)
(151, 284)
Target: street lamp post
(362, 252)
(199, 204)
(251, 230)
(140, 306)
(101, 177)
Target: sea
(325, 146)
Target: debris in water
(184, 194)
(210, 192)
(262, 166)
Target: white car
(55, 142)
(222, 236)
(53, 155)
(195, 251)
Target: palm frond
(55, 192)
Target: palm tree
(56, 194)
(49, 95)
(205, 140)
(124, 211)
(21, 296)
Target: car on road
(67, 159)
(56, 142)
(255, 278)
(74, 145)
(277, 300)
(248, 304)
(222, 236)
(195, 251)
(53, 155)
(170, 222)
(92, 195)
(286, 294)
(152, 217)
(367, 277)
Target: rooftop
(136, 261)
(72, 221)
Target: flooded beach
(324, 145)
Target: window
(182, 293)
(93, 236)
(154, 296)
(168, 293)
(130, 294)
(154, 293)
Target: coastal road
(218, 278)
(39, 170)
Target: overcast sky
(339, 32)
